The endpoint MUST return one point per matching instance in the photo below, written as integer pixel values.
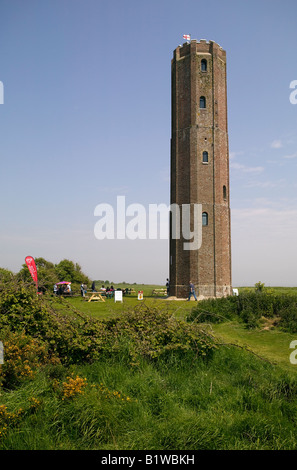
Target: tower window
(205, 157)
(204, 218)
(224, 193)
(202, 102)
(203, 65)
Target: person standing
(82, 290)
(167, 286)
(192, 291)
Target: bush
(259, 286)
(77, 338)
(214, 310)
(23, 356)
(151, 333)
(288, 318)
(254, 305)
(249, 307)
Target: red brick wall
(195, 130)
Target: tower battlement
(199, 47)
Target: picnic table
(97, 296)
(159, 292)
(129, 291)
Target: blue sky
(86, 118)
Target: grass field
(242, 397)
(267, 342)
(110, 308)
(272, 345)
(181, 307)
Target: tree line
(49, 274)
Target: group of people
(62, 289)
(102, 288)
(107, 291)
(83, 289)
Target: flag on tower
(187, 37)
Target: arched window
(224, 193)
(205, 157)
(202, 102)
(204, 218)
(203, 65)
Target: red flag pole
(30, 262)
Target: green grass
(110, 308)
(243, 397)
(276, 289)
(272, 345)
(234, 401)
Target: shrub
(214, 310)
(254, 305)
(288, 318)
(259, 286)
(77, 338)
(151, 333)
(249, 307)
(73, 338)
(73, 386)
(23, 356)
(8, 419)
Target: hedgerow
(152, 333)
(48, 334)
(214, 310)
(250, 308)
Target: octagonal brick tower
(200, 168)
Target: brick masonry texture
(196, 130)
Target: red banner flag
(32, 268)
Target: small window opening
(204, 65)
(224, 193)
(202, 102)
(205, 157)
(204, 218)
